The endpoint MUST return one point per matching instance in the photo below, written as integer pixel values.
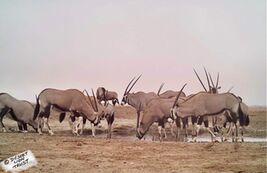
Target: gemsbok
(158, 110)
(212, 90)
(206, 104)
(18, 110)
(104, 95)
(77, 124)
(70, 100)
(219, 121)
(137, 100)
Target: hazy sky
(85, 44)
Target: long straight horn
(206, 73)
(134, 83)
(200, 80)
(217, 81)
(178, 96)
(230, 89)
(90, 100)
(160, 88)
(211, 81)
(94, 100)
(128, 86)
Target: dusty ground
(124, 153)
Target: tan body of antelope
(205, 104)
(70, 100)
(18, 110)
(104, 95)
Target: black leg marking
(200, 120)
(206, 123)
(25, 126)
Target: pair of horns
(209, 78)
(128, 90)
(176, 100)
(95, 107)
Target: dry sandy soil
(124, 153)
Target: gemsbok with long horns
(70, 100)
(77, 124)
(219, 121)
(158, 110)
(206, 104)
(18, 110)
(104, 95)
(169, 94)
(212, 90)
(137, 100)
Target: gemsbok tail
(243, 115)
(37, 108)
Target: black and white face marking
(124, 100)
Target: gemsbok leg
(3, 112)
(110, 120)
(45, 116)
(206, 124)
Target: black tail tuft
(247, 120)
(62, 117)
(36, 109)
(243, 117)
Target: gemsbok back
(169, 93)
